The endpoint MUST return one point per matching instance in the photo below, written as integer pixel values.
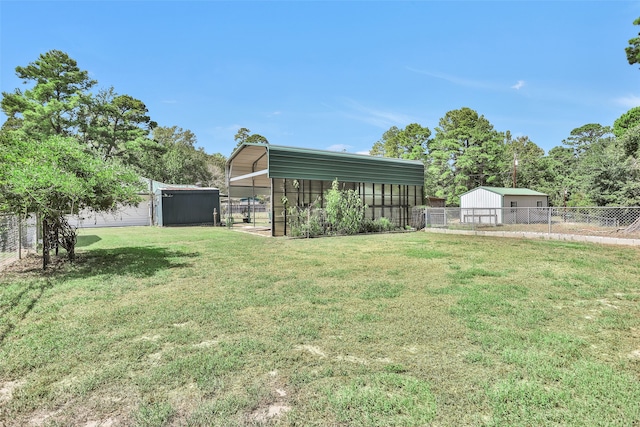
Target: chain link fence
(17, 238)
(619, 222)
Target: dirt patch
(149, 338)
(7, 388)
(311, 349)
(155, 357)
(262, 414)
(29, 264)
(607, 304)
(42, 417)
(206, 344)
(181, 325)
(258, 231)
(32, 263)
(352, 359)
(109, 422)
(276, 406)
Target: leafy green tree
(386, 146)
(117, 126)
(408, 143)
(591, 170)
(180, 162)
(557, 176)
(607, 176)
(589, 144)
(244, 135)
(627, 129)
(630, 142)
(54, 177)
(627, 121)
(582, 138)
(56, 127)
(216, 165)
(466, 152)
(528, 156)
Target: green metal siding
(187, 207)
(296, 163)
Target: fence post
(19, 238)
(549, 209)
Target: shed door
(184, 207)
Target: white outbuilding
(499, 205)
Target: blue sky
(335, 74)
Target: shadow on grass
(16, 308)
(84, 241)
(139, 261)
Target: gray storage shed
(187, 206)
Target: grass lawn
(206, 326)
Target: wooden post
(45, 243)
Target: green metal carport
(390, 187)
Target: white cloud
(363, 152)
(628, 101)
(518, 85)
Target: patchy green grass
(206, 326)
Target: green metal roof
(303, 163)
(505, 191)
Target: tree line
(596, 165)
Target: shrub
(344, 210)
(305, 222)
(376, 226)
(385, 224)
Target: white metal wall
(525, 201)
(481, 198)
(125, 217)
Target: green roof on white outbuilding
(505, 191)
(255, 162)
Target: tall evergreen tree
(408, 143)
(633, 50)
(43, 137)
(466, 152)
(52, 105)
(244, 135)
(522, 160)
